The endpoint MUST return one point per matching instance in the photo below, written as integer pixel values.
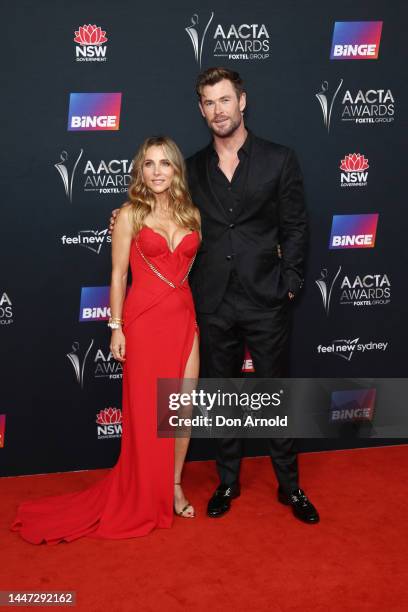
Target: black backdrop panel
(58, 378)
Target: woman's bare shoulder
(124, 217)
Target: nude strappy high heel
(188, 505)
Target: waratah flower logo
(355, 162)
(90, 35)
(109, 416)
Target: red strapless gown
(136, 496)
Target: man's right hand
(113, 219)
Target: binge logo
(2, 429)
(247, 365)
(94, 111)
(353, 231)
(94, 304)
(356, 40)
(354, 405)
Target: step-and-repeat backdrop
(83, 84)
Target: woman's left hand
(118, 345)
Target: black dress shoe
(220, 502)
(302, 508)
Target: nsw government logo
(354, 168)
(94, 111)
(109, 423)
(103, 176)
(353, 231)
(356, 40)
(245, 41)
(90, 45)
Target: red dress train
(136, 496)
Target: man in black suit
(250, 195)
(249, 267)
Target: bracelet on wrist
(115, 322)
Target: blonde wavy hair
(142, 199)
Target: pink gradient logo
(94, 304)
(353, 231)
(353, 405)
(356, 40)
(94, 111)
(247, 365)
(2, 429)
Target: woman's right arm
(121, 241)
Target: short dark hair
(211, 76)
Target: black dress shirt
(230, 193)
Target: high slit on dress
(136, 495)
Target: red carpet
(258, 557)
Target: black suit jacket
(271, 212)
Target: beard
(228, 129)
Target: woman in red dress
(154, 335)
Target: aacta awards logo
(354, 40)
(98, 176)
(232, 42)
(2, 430)
(326, 100)
(358, 290)
(106, 366)
(67, 168)
(94, 111)
(326, 286)
(197, 35)
(109, 423)
(354, 168)
(78, 361)
(365, 290)
(6, 309)
(112, 176)
(102, 363)
(370, 106)
(90, 45)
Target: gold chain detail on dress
(159, 274)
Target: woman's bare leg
(181, 444)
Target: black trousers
(223, 335)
